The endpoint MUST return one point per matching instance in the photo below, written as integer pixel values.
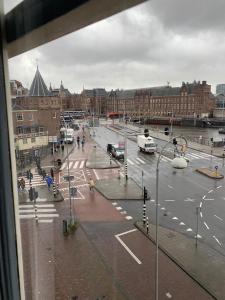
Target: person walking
(52, 173)
(62, 147)
(78, 141)
(91, 184)
(22, 184)
(82, 144)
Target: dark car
(116, 151)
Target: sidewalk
(203, 264)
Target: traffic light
(174, 141)
(166, 131)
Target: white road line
(38, 205)
(206, 225)
(39, 216)
(170, 186)
(168, 295)
(217, 240)
(169, 200)
(129, 161)
(45, 221)
(218, 218)
(82, 164)
(200, 214)
(192, 156)
(182, 223)
(206, 199)
(114, 203)
(128, 218)
(210, 191)
(198, 236)
(166, 158)
(189, 229)
(219, 186)
(39, 210)
(126, 232)
(143, 162)
(118, 207)
(63, 166)
(189, 200)
(203, 197)
(96, 175)
(175, 218)
(70, 164)
(201, 204)
(163, 208)
(128, 250)
(76, 164)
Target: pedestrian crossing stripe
(140, 160)
(31, 216)
(79, 164)
(41, 210)
(36, 181)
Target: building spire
(38, 86)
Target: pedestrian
(18, 184)
(43, 174)
(91, 184)
(62, 147)
(78, 141)
(22, 183)
(52, 173)
(82, 144)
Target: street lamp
(177, 162)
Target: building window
(41, 129)
(25, 141)
(33, 139)
(19, 116)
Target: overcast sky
(151, 44)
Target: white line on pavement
(168, 295)
(206, 199)
(129, 161)
(217, 240)
(206, 225)
(169, 200)
(210, 191)
(70, 164)
(38, 205)
(114, 203)
(45, 221)
(175, 218)
(203, 197)
(82, 164)
(218, 218)
(189, 229)
(170, 186)
(128, 250)
(201, 204)
(128, 218)
(219, 186)
(76, 164)
(96, 175)
(200, 214)
(182, 223)
(143, 162)
(126, 232)
(40, 210)
(118, 207)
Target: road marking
(168, 295)
(82, 164)
(219, 186)
(203, 197)
(38, 205)
(129, 161)
(152, 200)
(175, 218)
(198, 236)
(218, 218)
(40, 210)
(166, 158)
(217, 240)
(201, 204)
(189, 229)
(210, 191)
(30, 216)
(63, 166)
(169, 200)
(126, 232)
(128, 217)
(143, 162)
(128, 249)
(200, 214)
(76, 164)
(189, 200)
(45, 221)
(123, 212)
(163, 208)
(114, 203)
(96, 175)
(170, 186)
(181, 223)
(208, 199)
(70, 164)
(118, 207)
(206, 225)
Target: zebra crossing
(190, 155)
(77, 164)
(36, 181)
(41, 212)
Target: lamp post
(179, 162)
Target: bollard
(147, 225)
(144, 214)
(54, 190)
(65, 227)
(35, 213)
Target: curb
(209, 173)
(175, 261)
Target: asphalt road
(180, 191)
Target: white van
(67, 135)
(146, 144)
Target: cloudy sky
(151, 44)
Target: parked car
(116, 150)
